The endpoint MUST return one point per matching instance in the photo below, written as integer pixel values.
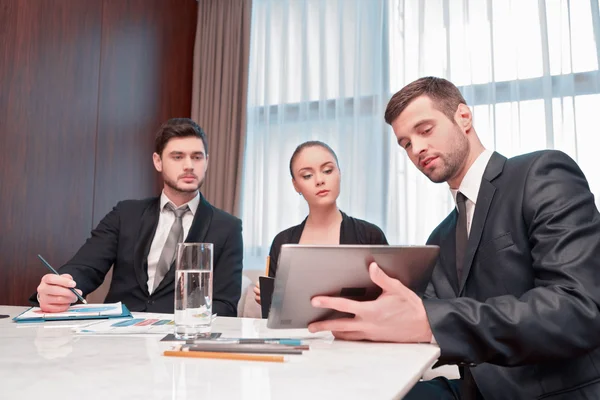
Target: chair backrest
(247, 307)
(98, 295)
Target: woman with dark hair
(316, 177)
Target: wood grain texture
(83, 87)
(145, 79)
(49, 68)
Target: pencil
(268, 265)
(55, 272)
(224, 356)
(242, 348)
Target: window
(325, 69)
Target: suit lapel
(196, 234)
(148, 227)
(484, 201)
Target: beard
(453, 161)
(173, 185)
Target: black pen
(56, 272)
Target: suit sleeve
(560, 317)
(227, 271)
(94, 259)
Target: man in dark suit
(138, 237)
(514, 299)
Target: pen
(56, 272)
(225, 356)
(287, 342)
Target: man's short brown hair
(445, 97)
(178, 127)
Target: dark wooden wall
(83, 87)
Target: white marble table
(44, 362)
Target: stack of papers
(76, 312)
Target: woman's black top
(352, 231)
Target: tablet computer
(306, 271)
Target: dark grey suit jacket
(123, 238)
(525, 317)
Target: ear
(464, 117)
(206, 163)
(157, 162)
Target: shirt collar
(472, 181)
(192, 204)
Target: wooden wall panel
(145, 79)
(84, 84)
(49, 69)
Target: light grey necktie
(168, 252)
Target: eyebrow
(177, 153)
(310, 169)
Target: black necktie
(462, 236)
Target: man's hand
(397, 315)
(53, 292)
(257, 292)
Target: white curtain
(325, 69)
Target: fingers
(54, 290)
(257, 293)
(60, 299)
(54, 294)
(337, 303)
(382, 280)
(54, 308)
(349, 335)
(336, 325)
(59, 280)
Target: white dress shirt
(166, 219)
(471, 183)
(469, 187)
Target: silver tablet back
(305, 271)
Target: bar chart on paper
(136, 325)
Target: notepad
(76, 312)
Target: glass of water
(193, 290)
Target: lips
(426, 161)
(322, 192)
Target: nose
(188, 164)
(320, 179)
(417, 146)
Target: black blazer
(524, 320)
(123, 238)
(352, 231)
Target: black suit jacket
(123, 239)
(352, 231)
(524, 320)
